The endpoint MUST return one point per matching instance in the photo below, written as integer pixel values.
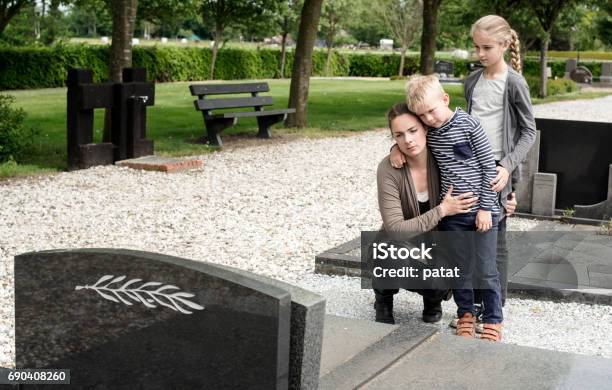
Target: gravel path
(268, 209)
(593, 110)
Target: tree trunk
(402, 61)
(302, 64)
(283, 54)
(215, 49)
(404, 48)
(543, 60)
(328, 60)
(428, 37)
(124, 18)
(51, 22)
(7, 13)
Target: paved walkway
(572, 261)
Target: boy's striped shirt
(465, 159)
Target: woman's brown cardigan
(397, 199)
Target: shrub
(15, 138)
(553, 87)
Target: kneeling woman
(408, 201)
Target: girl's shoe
(491, 332)
(466, 326)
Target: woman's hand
(396, 157)
(501, 179)
(511, 204)
(459, 204)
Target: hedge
(46, 67)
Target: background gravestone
(125, 319)
(606, 72)
(444, 68)
(581, 181)
(581, 74)
(570, 65)
(528, 169)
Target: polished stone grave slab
(367, 355)
(450, 362)
(123, 319)
(354, 350)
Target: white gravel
(268, 209)
(592, 110)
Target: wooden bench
(215, 123)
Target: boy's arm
(483, 153)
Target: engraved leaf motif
(176, 300)
(103, 279)
(107, 296)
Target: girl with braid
(498, 96)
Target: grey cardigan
(397, 199)
(519, 130)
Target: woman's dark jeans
(475, 254)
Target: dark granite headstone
(307, 319)
(134, 320)
(444, 68)
(580, 153)
(581, 74)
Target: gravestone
(601, 210)
(606, 72)
(81, 102)
(472, 66)
(528, 169)
(125, 319)
(582, 75)
(544, 190)
(570, 65)
(127, 100)
(445, 69)
(579, 152)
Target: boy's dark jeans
(502, 262)
(475, 254)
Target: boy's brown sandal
(466, 326)
(491, 332)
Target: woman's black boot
(384, 312)
(432, 310)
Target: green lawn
(334, 106)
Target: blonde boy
(462, 150)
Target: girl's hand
(484, 221)
(459, 204)
(501, 179)
(511, 204)
(396, 157)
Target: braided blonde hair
(498, 28)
